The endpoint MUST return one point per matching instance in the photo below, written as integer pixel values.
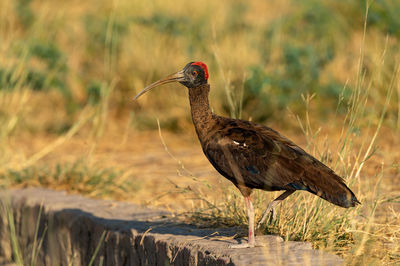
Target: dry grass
(68, 72)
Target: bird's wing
(255, 157)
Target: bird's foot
(265, 215)
(271, 207)
(243, 245)
(272, 218)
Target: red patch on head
(203, 66)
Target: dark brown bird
(253, 156)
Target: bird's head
(192, 75)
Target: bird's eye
(194, 72)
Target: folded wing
(255, 156)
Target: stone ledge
(72, 227)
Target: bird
(254, 156)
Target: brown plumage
(254, 156)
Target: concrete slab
(71, 228)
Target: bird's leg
(272, 205)
(250, 214)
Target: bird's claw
(242, 245)
(264, 217)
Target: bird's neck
(203, 118)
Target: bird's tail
(331, 187)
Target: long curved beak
(176, 77)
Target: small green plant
(21, 255)
(77, 176)
(28, 255)
(96, 251)
(24, 12)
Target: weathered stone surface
(71, 227)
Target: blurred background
(323, 73)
